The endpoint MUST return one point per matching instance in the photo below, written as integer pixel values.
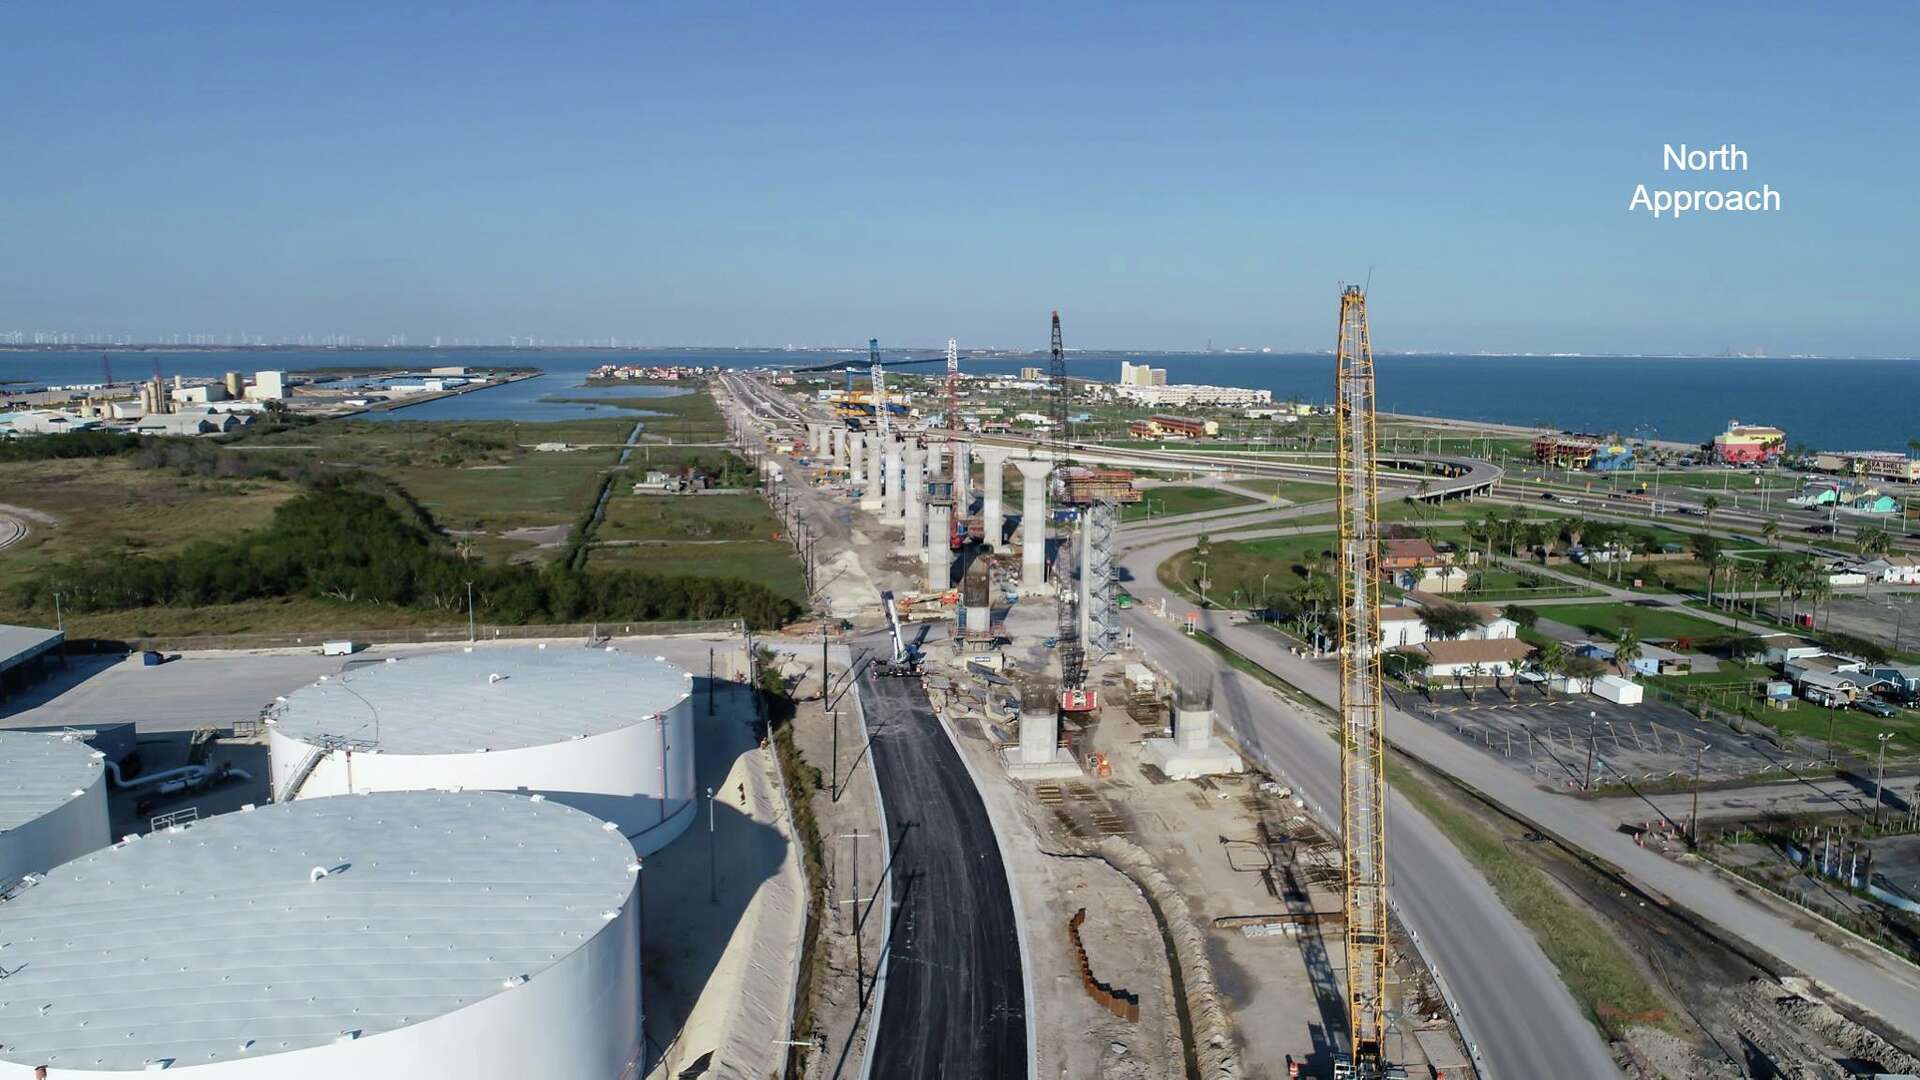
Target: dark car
(1822, 529)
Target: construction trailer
(1081, 486)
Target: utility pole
(709, 681)
(713, 855)
(1693, 819)
(859, 960)
(470, 635)
(1880, 775)
(59, 617)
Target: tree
(1706, 548)
(1770, 532)
(1742, 647)
(1585, 669)
(1626, 647)
(1708, 506)
(1524, 617)
(1474, 674)
(1550, 661)
(1873, 541)
(1446, 621)
(1819, 590)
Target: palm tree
(1626, 647)
(1873, 541)
(1474, 674)
(1551, 661)
(1819, 590)
(1708, 505)
(1770, 532)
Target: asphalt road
(954, 1002)
(1512, 1003)
(1865, 976)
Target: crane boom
(879, 388)
(1362, 806)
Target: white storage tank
(605, 731)
(399, 934)
(53, 804)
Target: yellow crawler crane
(1362, 768)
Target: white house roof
(214, 943)
(487, 699)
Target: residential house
(1653, 659)
(1902, 677)
(1800, 667)
(1400, 627)
(1778, 649)
(1495, 657)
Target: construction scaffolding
(1099, 617)
(1362, 805)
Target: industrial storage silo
(602, 730)
(53, 803)
(399, 934)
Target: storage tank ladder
(1362, 805)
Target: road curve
(1865, 976)
(1512, 1003)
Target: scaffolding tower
(1362, 805)
(1099, 617)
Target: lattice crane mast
(1073, 651)
(1362, 766)
(879, 388)
(953, 388)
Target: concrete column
(837, 444)
(816, 438)
(939, 547)
(1033, 524)
(963, 478)
(993, 516)
(914, 485)
(935, 452)
(856, 457)
(1039, 735)
(874, 496)
(1193, 727)
(893, 488)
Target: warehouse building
(27, 653)
(477, 934)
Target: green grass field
(112, 507)
(537, 489)
(1293, 491)
(1172, 500)
(686, 517)
(1607, 619)
(769, 562)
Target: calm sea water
(1829, 403)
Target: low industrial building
(1173, 427)
(53, 805)
(1192, 394)
(1401, 627)
(27, 653)
(477, 934)
(1894, 569)
(602, 730)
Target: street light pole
(60, 619)
(470, 637)
(713, 855)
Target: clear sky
(726, 174)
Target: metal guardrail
(186, 815)
(421, 635)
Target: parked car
(1874, 707)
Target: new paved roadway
(954, 1000)
(1523, 1019)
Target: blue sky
(758, 174)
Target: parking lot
(1554, 736)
